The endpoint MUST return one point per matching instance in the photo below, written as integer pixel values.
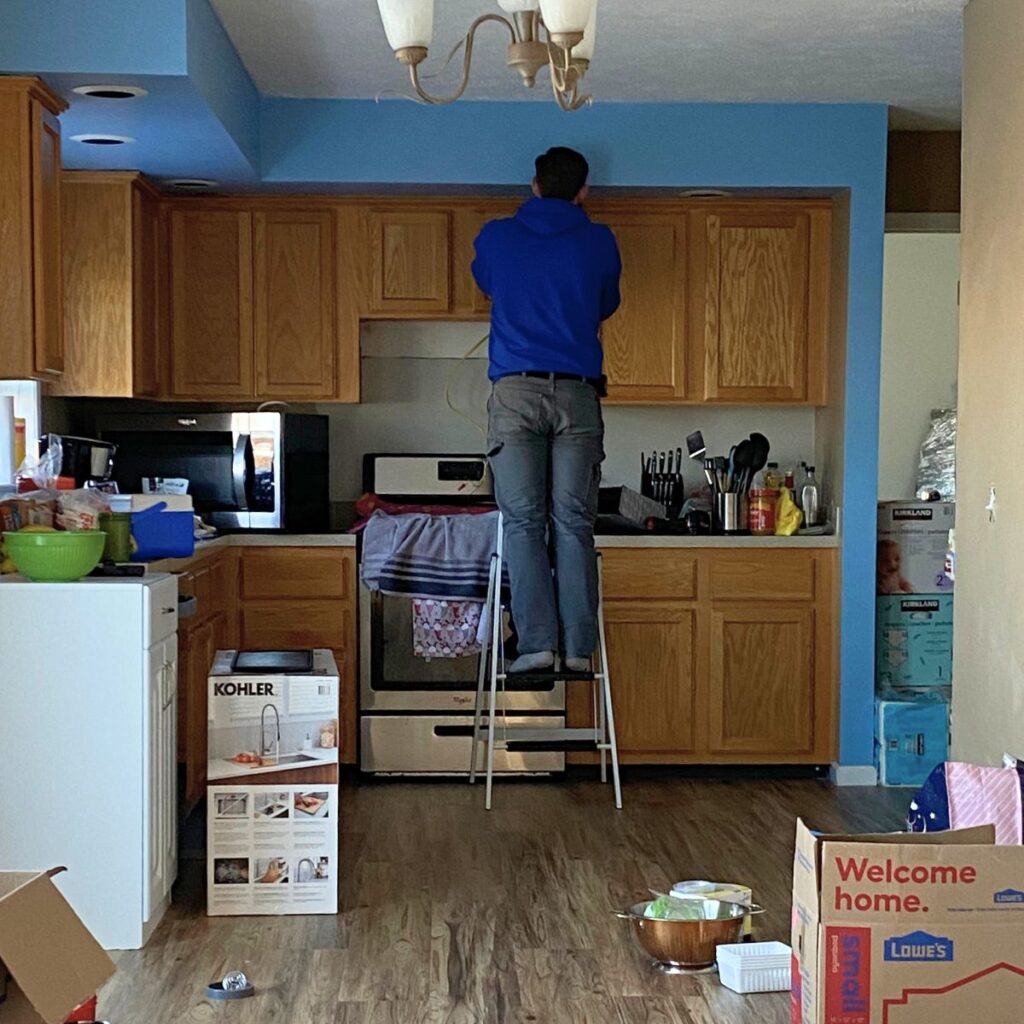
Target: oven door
(392, 678)
(232, 463)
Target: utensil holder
(730, 512)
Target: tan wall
(988, 704)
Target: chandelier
(556, 33)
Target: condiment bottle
(761, 516)
(810, 499)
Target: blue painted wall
(103, 36)
(840, 146)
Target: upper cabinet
(211, 304)
(761, 280)
(645, 350)
(410, 253)
(467, 222)
(254, 305)
(31, 328)
(294, 280)
(113, 282)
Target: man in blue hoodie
(553, 277)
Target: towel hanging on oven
(417, 555)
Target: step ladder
(490, 724)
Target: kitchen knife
(679, 461)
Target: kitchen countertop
(221, 769)
(669, 540)
(255, 540)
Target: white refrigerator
(88, 745)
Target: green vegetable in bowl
(668, 908)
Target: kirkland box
(913, 541)
(911, 738)
(923, 928)
(913, 640)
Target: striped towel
(417, 555)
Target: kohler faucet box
(913, 544)
(924, 928)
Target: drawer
(297, 573)
(161, 614)
(759, 575)
(270, 625)
(649, 572)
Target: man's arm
(610, 297)
(481, 265)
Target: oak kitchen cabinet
(719, 655)
(467, 221)
(31, 328)
(760, 284)
(254, 304)
(114, 286)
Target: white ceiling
(902, 52)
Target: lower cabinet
(719, 656)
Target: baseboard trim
(853, 775)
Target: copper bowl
(688, 945)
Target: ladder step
(523, 683)
(554, 746)
(550, 677)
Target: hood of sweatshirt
(551, 216)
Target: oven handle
(238, 462)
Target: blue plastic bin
(162, 534)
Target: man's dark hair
(561, 173)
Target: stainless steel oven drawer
(431, 745)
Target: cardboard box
(913, 541)
(923, 928)
(54, 963)
(913, 641)
(911, 738)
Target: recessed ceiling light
(704, 193)
(110, 92)
(191, 184)
(102, 140)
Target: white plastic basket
(747, 967)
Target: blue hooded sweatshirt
(553, 276)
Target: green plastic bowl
(55, 557)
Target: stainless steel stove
(416, 715)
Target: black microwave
(245, 470)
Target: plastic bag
(44, 471)
(937, 468)
(668, 908)
(787, 516)
(81, 510)
(35, 509)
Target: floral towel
(980, 796)
(445, 629)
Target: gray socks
(539, 662)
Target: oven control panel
(455, 478)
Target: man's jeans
(545, 442)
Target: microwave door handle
(238, 462)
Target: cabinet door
(198, 653)
(764, 290)
(46, 240)
(294, 280)
(211, 304)
(160, 846)
(148, 266)
(645, 341)
(410, 252)
(762, 683)
(467, 222)
(652, 649)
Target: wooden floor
(451, 914)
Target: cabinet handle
(167, 611)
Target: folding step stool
(600, 737)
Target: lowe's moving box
(923, 928)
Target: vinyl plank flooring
(451, 915)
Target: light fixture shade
(407, 22)
(564, 17)
(584, 50)
(515, 6)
